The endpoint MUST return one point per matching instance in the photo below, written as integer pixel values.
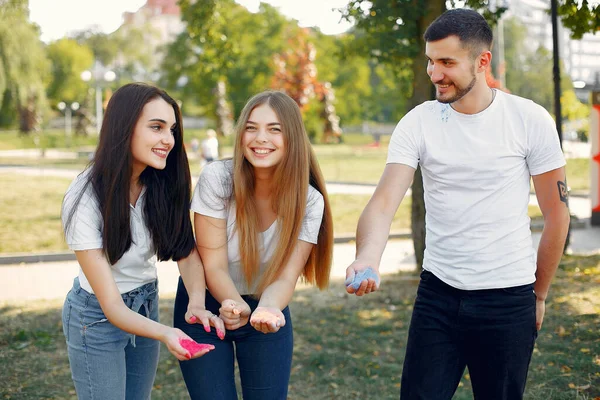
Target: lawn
(31, 205)
(29, 216)
(354, 161)
(327, 326)
(30, 213)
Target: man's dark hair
(468, 25)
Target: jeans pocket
(425, 275)
(91, 324)
(66, 318)
(522, 290)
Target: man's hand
(540, 310)
(361, 279)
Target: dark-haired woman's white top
(138, 265)
(212, 198)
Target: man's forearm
(550, 251)
(372, 235)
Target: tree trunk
(422, 91)
(28, 116)
(224, 118)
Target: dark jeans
(492, 332)
(264, 360)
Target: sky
(58, 18)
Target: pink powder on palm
(194, 347)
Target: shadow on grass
(345, 347)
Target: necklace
(492, 101)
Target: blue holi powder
(368, 273)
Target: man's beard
(460, 92)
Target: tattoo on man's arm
(563, 192)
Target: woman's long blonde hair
(297, 170)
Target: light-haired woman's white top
(212, 198)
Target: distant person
(128, 209)
(481, 298)
(262, 221)
(195, 146)
(210, 146)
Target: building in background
(159, 23)
(581, 58)
(164, 16)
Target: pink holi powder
(220, 334)
(194, 347)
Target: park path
(51, 280)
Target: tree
(224, 42)
(24, 68)
(104, 48)
(579, 16)
(391, 31)
(365, 89)
(68, 59)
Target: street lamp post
(62, 106)
(98, 77)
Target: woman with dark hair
(125, 211)
(262, 220)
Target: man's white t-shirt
(211, 198)
(476, 176)
(138, 265)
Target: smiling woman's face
(152, 138)
(262, 140)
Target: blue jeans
(492, 332)
(265, 360)
(106, 362)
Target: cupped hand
(267, 319)
(173, 339)
(234, 314)
(361, 279)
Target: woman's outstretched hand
(267, 319)
(234, 314)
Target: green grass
(346, 210)
(578, 174)
(343, 163)
(30, 213)
(327, 325)
(31, 205)
(63, 163)
(47, 139)
(354, 161)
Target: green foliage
(69, 59)
(365, 90)
(224, 41)
(528, 71)
(219, 45)
(387, 30)
(24, 68)
(572, 108)
(580, 16)
(104, 48)
(138, 54)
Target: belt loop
(140, 299)
(76, 285)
